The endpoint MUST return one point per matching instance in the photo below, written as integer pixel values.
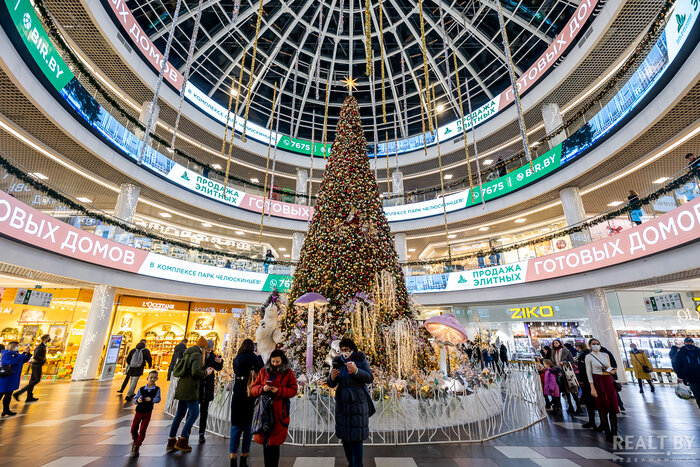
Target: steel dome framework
(310, 32)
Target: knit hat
(689, 340)
(202, 342)
(210, 344)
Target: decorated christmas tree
(348, 255)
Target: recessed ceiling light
(614, 203)
(488, 162)
(216, 166)
(165, 214)
(206, 224)
(240, 232)
(520, 220)
(286, 256)
(255, 180)
(448, 176)
(659, 181)
(40, 176)
(440, 107)
(234, 92)
(452, 236)
(483, 229)
(411, 249)
(282, 249)
(83, 199)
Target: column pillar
(397, 187)
(551, 116)
(297, 242)
(601, 323)
(574, 213)
(401, 249)
(125, 208)
(87, 364)
(302, 185)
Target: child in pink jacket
(551, 385)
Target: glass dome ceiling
(310, 41)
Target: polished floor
(80, 424)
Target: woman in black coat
(206, 389)
(353, 404)
(586, 398)
(242, 405)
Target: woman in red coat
(276, 380)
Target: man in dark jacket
(353, 404)
(206, 388)
(136, 360)
(688, 367)
(503, 351)
(38, 360)
(187, 395)
(178, 352)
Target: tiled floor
(85, 424)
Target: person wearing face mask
(563, 359)
(599, 373)
(277, 381)
(11, 362)
(206, 388)
(350, 374)
(642, 367)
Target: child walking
(551, 385)
(145, 398)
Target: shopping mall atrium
(469, 230)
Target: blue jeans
(191, 408)
(236, 432)
(353, 452)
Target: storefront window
(27, 314)
(211, 321)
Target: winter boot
(134, 450)
(202, 439)
(182, 445)
(171, 444)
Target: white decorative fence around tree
(511, 402)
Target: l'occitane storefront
(27, 314)
(164, 323)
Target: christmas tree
(349, 245)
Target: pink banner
(276, 208)
(25, 224)
(680, 226)
(553, 52)
(143, 43)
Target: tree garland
(106, 219)
(624, 209)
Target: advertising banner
(38, 43)
(682, 225)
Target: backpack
(136, 359)
(263, 418)
(181, 366)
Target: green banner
(518, 178)
(277, 281)
(302, 146)
(38, 43)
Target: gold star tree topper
(350, 83)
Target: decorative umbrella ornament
(447, 330)
(309, 300)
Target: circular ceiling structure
(302, 44)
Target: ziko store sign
(28, 225)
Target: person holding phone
(353, 405)
(278, 382)
(600, 376)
